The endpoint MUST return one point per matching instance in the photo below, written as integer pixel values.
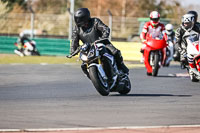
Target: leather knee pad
(112, 49)
(118, 56)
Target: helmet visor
(155, 19)
(80, 21)
(169, 32)
(187, 25)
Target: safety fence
(123, 28)
(46, 46)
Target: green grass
(11, 58)
(14, 59)
(129, 50)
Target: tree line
(127, 8)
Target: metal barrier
(46, 46)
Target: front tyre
(155, 66)
(99, 83)
(35, 53)
(193, 78)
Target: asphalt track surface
(59, 98)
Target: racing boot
(120, 63)
(118, 58)
(176, 56)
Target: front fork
(99, 67)
(152, 55)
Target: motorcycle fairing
(197, 62)
(160, 44)
(110, 57)
(153, 45)
(146, 59)
(193, 48)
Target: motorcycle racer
(170, 33)
(170, 40)
(25, 46)
(152, 27)
(88, 30)
(21, 41)
(188, 25)
(180, 45)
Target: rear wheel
(37, 53)
(127, 87)
(155, 66)
(193, 78)
(99, 83)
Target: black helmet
(81, 16)
(195, 15)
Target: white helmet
(154, 17)
(169, 29)
(188, 21)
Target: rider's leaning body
(89, 30)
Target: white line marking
(16, 63)
(10, 130)
(96, 128)
(43, 63)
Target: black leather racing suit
(95, 30)
(180, 43)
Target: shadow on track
(151, 95)
(172, 76)
(166, 76)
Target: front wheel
(99, 83)
(193, 78)
(36, 53)
(155, 66)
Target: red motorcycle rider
(154, 29)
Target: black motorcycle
(102, 69)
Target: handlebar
(104, 41)
(74, 53)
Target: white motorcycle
(193, 54)
(28, 49)
(102, 68)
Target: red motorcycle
(154, 54)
